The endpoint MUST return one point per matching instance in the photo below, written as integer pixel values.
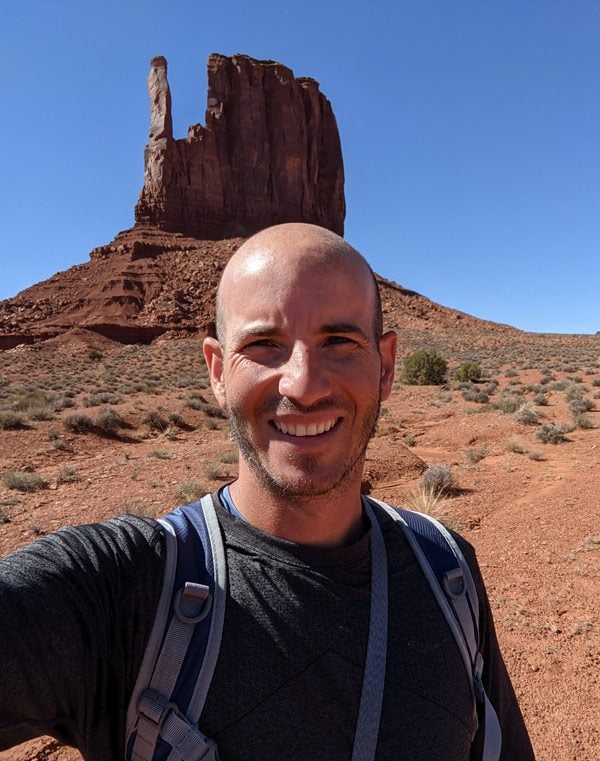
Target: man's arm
(75, 612)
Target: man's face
(301, 375)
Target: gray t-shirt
(76, 610)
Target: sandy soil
(529, 508)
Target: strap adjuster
(155, 707)
(477, 681)
(454, 583)
(192, 602)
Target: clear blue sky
(470, 132)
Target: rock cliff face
(270, 152)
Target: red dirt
(533, 520)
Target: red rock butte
(270, 152)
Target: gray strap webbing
(218, 615)
(493, 734)
(157, 716)
(371, 699)
(464, 631)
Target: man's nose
(303, 378)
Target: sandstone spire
(270, 152)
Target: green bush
(468, 371)
(424, 368)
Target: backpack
(181, 654)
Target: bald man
(300, 365)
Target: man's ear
(387, 352)
(213, 356)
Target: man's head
(297, 240)
(300, 363)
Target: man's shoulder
(109, 548)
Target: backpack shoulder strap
(179, 661)
(451, 582)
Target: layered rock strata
(270, 152)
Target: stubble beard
(307, 487)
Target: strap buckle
(454, 583)
(477, 681)
(155, 707)
(192, 602)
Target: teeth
(312, 429)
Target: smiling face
(299, 369)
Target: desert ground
(93, 429)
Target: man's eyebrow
(256, 329)
(344, 328)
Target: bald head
(293, 251)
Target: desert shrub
(101, 397)
(573, 392)
(596, 382)
(58, 441)
(28, 400)
(12, 421)
(507, 403)
(229, 458)
(540, 399)
(43, 412)
(24, 481)
(409, 440)
(162, 454)
(78, 423)
(551, 433)
(535, 455)
(581, 404)
(516, 445)
(62, 401)
(526, 414)
(558, 385)
(468, 371)
(490, 387)
(424, 368)
(475, 395)
(473, 455)
(155, 421)
(197, 402)
(581, 420)
(511, 374)
(109, 421)
(190, 491)
(212, 470)
(438, 479)
(68, 474)
(431, 503)
(95, 355)
(176, 419)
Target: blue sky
(470, 132)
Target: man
(301, 366)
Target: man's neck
(328, 520)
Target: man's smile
(305, 429)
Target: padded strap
(371, 699)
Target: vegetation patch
(24, 481)
(424, 368)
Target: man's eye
(338, 340)
(260, 342)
